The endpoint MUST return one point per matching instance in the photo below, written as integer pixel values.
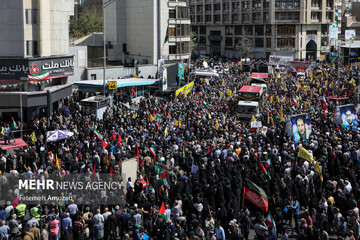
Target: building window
(246, 5)
(172, 49)
(256, 16)
(236, 5)
(286, 30)
(268, 43)
(314, 15)
(93, 76)
(235, 17)
(283, 4)
(229, 30)
(202, 40)
(289, 16)
(282, 16)
(277, 16)
(217, 7)
(296, 3)
(216, 18)
(172, 32)
(208, 8)
(226, 6)
(266, 3)
(172, 13)
(259, 42)
(249, 30)
(246, 17)
(203, 30)
(183, 12)
(32, 48)
(296, 16)
(286, 43)
(226, 17)
(238, 30)
(277, 3)
(229, 42)
(259, 30)
(200, 18)
(208, 18)
(31, 16)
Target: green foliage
(88, 22)
(192, 42)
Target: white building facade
(137, 30)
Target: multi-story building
(259, 28)
(138, 30)
(34, 60)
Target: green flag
(167, 35)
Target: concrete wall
(80, 63)
(120, 71)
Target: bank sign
(36, 69)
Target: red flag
(113, 136)
(154, 112)
(147, 181)
(112, 171)
(338, 128)
(158, 126)
(133, 91)
(141, 161)
(263, 169)
(118, 164)
(137, 152)
(94, 172)
(103, 144)
(119, 139)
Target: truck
(247, 109)
(249, 101)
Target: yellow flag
(271, 99)
(2, 130)
(227, 127)
(278, 76)
(33, 137)
(351, 68)
(223, 83)
(179, 123)
(217, 125)
(176, 123)
(253, 119)
(318, 170)
(209, 115)
(134, 115)
(303, 153)
(25, 167)
(151, 118)
(57, 162)
(166, 132)
(268, 119)
(93, 125)
(277, 99)
(121, 112)
(224, 119)
(281, 114)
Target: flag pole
(243, 198)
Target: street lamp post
(105, 4)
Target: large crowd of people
(195, 157)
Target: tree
(88, 22)
(193, 43)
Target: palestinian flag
(263, 169)
(267, 163)
(256, 195)
(38, 77)
(163, 178)
(203, 117)
(270, 222)
(294, 101)
(162, 212)
(98, 135)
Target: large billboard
(300, 66)
(301, 127)
(280, 60)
